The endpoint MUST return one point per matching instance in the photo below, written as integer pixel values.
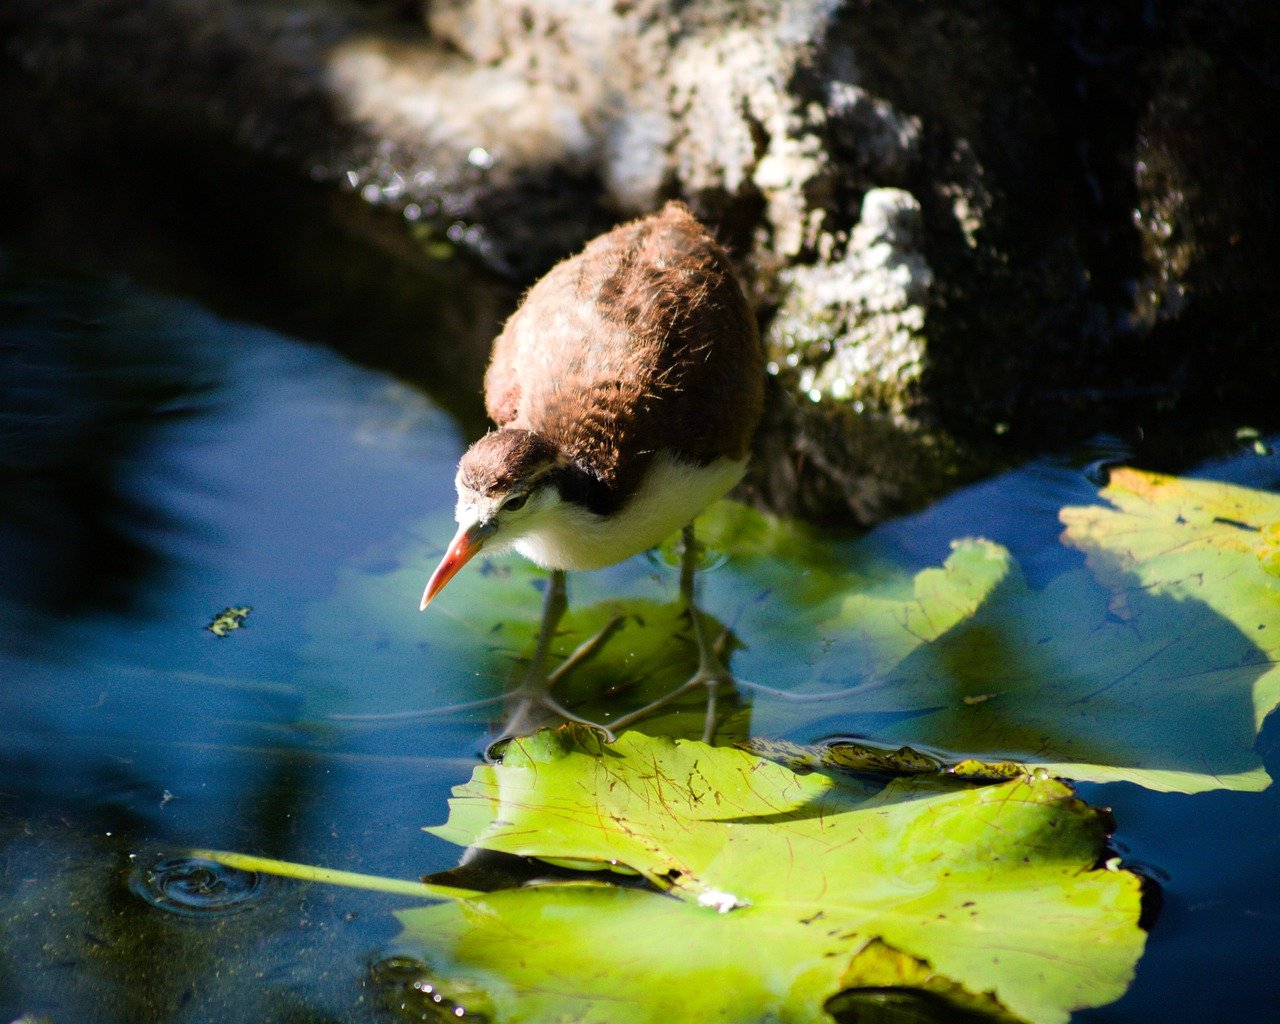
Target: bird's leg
(554, 604)
(711, 673)
(532, 698)
(711, 668)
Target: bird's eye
(515, 504)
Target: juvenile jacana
(626, 389)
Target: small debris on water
(228, 619)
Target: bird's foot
(531, 703)
(711, 681)
(712, 675)
(534, 712)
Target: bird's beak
(466, 542)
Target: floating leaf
(771, 892)
(1186, 538)
(1206, 554)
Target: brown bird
(626, 389)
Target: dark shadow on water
(250, 239)
(131, 732)
(88, 381)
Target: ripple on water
(195, 886)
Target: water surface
(161, 465)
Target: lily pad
(478, 636)
(770, 892)
(1152, 663)
(1200, 541)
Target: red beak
(466, 542)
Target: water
(195, 886)
(161, 465)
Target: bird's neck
(586, 489)
(670, 494)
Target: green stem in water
(332, 876)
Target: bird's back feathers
(641, 343)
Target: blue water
(160, 465)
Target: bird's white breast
(671, 494)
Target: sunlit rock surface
(853, 328)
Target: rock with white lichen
(852, 328)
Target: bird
(625, 390)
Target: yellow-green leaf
(768, 888)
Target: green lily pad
(476, 639)
(1152, 663)
(770, 892)
(1197, 540)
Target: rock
(849, 344)
(853, 328)
(969, 233)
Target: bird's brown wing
(642, 342)
(502, 378)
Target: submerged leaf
(478, 635)
(768, 889)
(1151, 664)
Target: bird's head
(505, 489)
